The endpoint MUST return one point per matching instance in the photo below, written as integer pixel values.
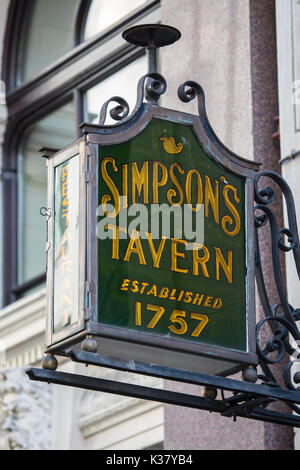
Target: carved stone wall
(25, 412)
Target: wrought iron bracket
(243, 399)
(283, 339)
(247, 399)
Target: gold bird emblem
(170, 145)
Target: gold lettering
(175, 254)
(65, 202)
(196, 298)
(66, 284)
(164, 292)
(66, 236)
(200, 260)
(115, 239)
(135, 286)
(211, 198)
(140, 180)
(66, 267)
(138, 313)
(66, 216)
(180, 296)
(188, 297)
(144, 285)
(63, 254)
(64, 299)
(125, 284)
(114, 190)
(156, 255)
(125, 185)
(65, 172)
(135, 246)
(172, 193)
(156, 182)
(227, 267)
(207, 302)
(66, 253)
(227, 220)
(64, 189)
(188, 189)
(217, 303)
(172, 295)
(66, 314)
(153, 291)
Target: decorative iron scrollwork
(283, 337)
(188, 91)
(150, 87)
(282, 318)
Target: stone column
(267, 151)
(219, 51)
(3, 118)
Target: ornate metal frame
(245, 398)
(283, 326)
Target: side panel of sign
(66, 239)
(66, 244)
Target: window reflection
(122, 83)
(48, 33)
(104, 13)
(54, 131)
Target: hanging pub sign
(151, 244)
(151, 252)
(151, 238)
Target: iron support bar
(121, 388)
(223, 383)
(162, 396)
(270, 416)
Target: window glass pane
(104, 13)
(55, 131)
(122, 83)
(48, 33)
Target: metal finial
(152, 36)
(89, 344)
(210, 392)
(249, 374)
(49, 362)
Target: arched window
(62, 61)
(47, 34)
(104, 15)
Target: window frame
(87, 64)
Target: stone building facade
(58, 64)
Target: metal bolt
(89, 344)
(250, 374)
(49, 362)
(210, 392)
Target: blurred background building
(60, 61)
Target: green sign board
(164, 283)
(151, 246)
